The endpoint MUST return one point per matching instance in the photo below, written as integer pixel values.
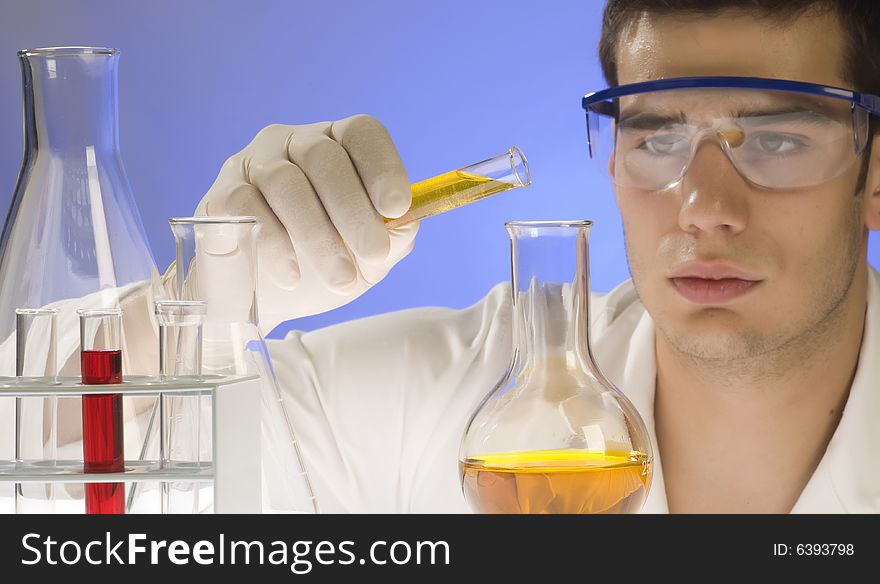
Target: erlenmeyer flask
(217, 263)
(554, 436)
(73, 237)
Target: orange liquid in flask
(556, 481)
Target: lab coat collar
(846, 480)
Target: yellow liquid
(448, 191)
(556, 481)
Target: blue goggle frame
(599, 102)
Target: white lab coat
(380, 403)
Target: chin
(712, 347)
(715, 341)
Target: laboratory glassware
(180, 338)
(227, 480)
(102, 419)
(474, 182)
(36, 337)
(73, 236)
(36, 420)
(217, 263)
(554, 435)
(184, 418)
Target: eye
(774, 143)
(664, 144)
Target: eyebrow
(653, 121)
(784, 114)
(650, 121)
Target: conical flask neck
(551, 294)
(70, 101)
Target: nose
(714, 197)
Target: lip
(712, 282)
(713, 271)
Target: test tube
(180, 338)
(453, 189)
(180, 358)
(36, 358)
(36, 418)
(103, 449)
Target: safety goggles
(778, 134)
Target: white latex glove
(321, 191)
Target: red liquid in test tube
(99, 367)
(103, 445)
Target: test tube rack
(231, 470)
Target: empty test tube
(180, 338)
(35, 345)
(453, 189)
(35, 364)
(180, 358)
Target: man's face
(804, 245)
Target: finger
(334, 179)
(274, 242)
(231, 194)
(295, 203)
(402, 241)
(231, 175)
(370, 148)
(271, 142)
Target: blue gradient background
(454, 82)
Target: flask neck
(70, 101)
(550, 268)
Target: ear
(872, 187)
(613, 150)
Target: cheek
(816, 252)
(811, 228)
(647, 218)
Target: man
(749, 336)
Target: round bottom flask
(554, 435)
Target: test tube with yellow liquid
(453, 189)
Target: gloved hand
(321, 191)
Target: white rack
(231, 471)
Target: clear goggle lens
(774, 139)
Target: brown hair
(859, 19)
